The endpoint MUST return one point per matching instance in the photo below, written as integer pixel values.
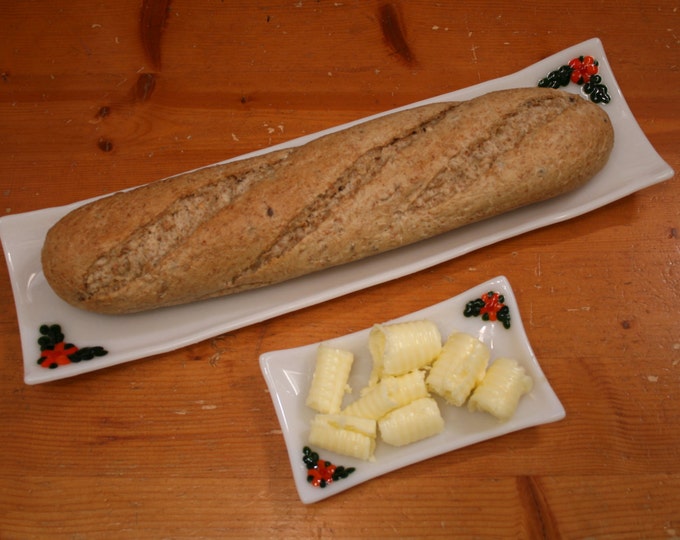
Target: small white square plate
(288, 374)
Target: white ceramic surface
(633, 165)
(288, 374)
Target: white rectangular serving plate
(288, 374)
(633, 165)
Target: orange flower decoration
(55, 352)
(583, 68)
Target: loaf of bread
(370, 188)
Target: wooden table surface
(99, 97)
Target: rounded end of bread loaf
(72, 247)
(57, 258)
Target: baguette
(370, 188)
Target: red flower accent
(492, 305)
(55, 352)
(583, 68)
(58, 356)
(320, 472)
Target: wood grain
(187, 444)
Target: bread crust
(370, 188)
